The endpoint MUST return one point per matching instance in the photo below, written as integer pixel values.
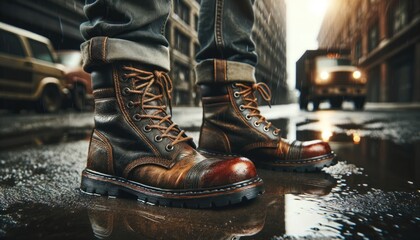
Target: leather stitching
(104, 49)
(108, 150)
(95, 142)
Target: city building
(269, 35)
(59, 21)
(181, 32)
(384, 38)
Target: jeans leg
(125, 30)
(224, 33)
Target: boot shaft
(231, 118)
(127, 114)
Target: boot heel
(96, 187)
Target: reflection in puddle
(124, 219)
(260, 219)
(372, 192)
(356, 138)
(377, 179)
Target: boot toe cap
(315, 148)
(227, 172)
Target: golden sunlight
(318, 7)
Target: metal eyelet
(158, 138)
(126, 91)
(130, 104)
(137, 117)
(234, 85)
(123, 78)
(236, 94)
(147, 128)
(169, 147)
(275, 133)
(257, 124)
(241, 108)
(266, 129)
(248, 117)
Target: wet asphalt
(372, 193)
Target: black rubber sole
(95, 183)
(303, 165)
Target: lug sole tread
(114, 187)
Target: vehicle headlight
(324, 75)
(357, 74)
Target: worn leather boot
(135, 147)
(233, 125)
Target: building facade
(384, 38)
(269, 35)
(59, 21)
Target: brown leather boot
(136, 148)
(233, 125)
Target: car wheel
(359, 103)
(79, 97)
(303, 102)
(315, 104)
(50, 100)
(336, 103)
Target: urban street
(372, 192)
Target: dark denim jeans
(133, 30)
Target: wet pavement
(372, 193)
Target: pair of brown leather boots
(136, 149)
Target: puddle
(373, 192)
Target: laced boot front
(233, 124)
(137, 149)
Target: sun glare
(318, 7)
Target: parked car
(77, 80)
(29, 72)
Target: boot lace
(252, 104)
(143, 82)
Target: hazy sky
(304, 18)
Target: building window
(196, 48)
(349, 30)
(399, 16)
(196, 22)
(359, 15)
(182, 10)
(182, 42)
(181, 77)
(373, 37)
(358, 50)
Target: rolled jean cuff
(223, 71)
(99, 51)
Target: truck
(329, 75)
